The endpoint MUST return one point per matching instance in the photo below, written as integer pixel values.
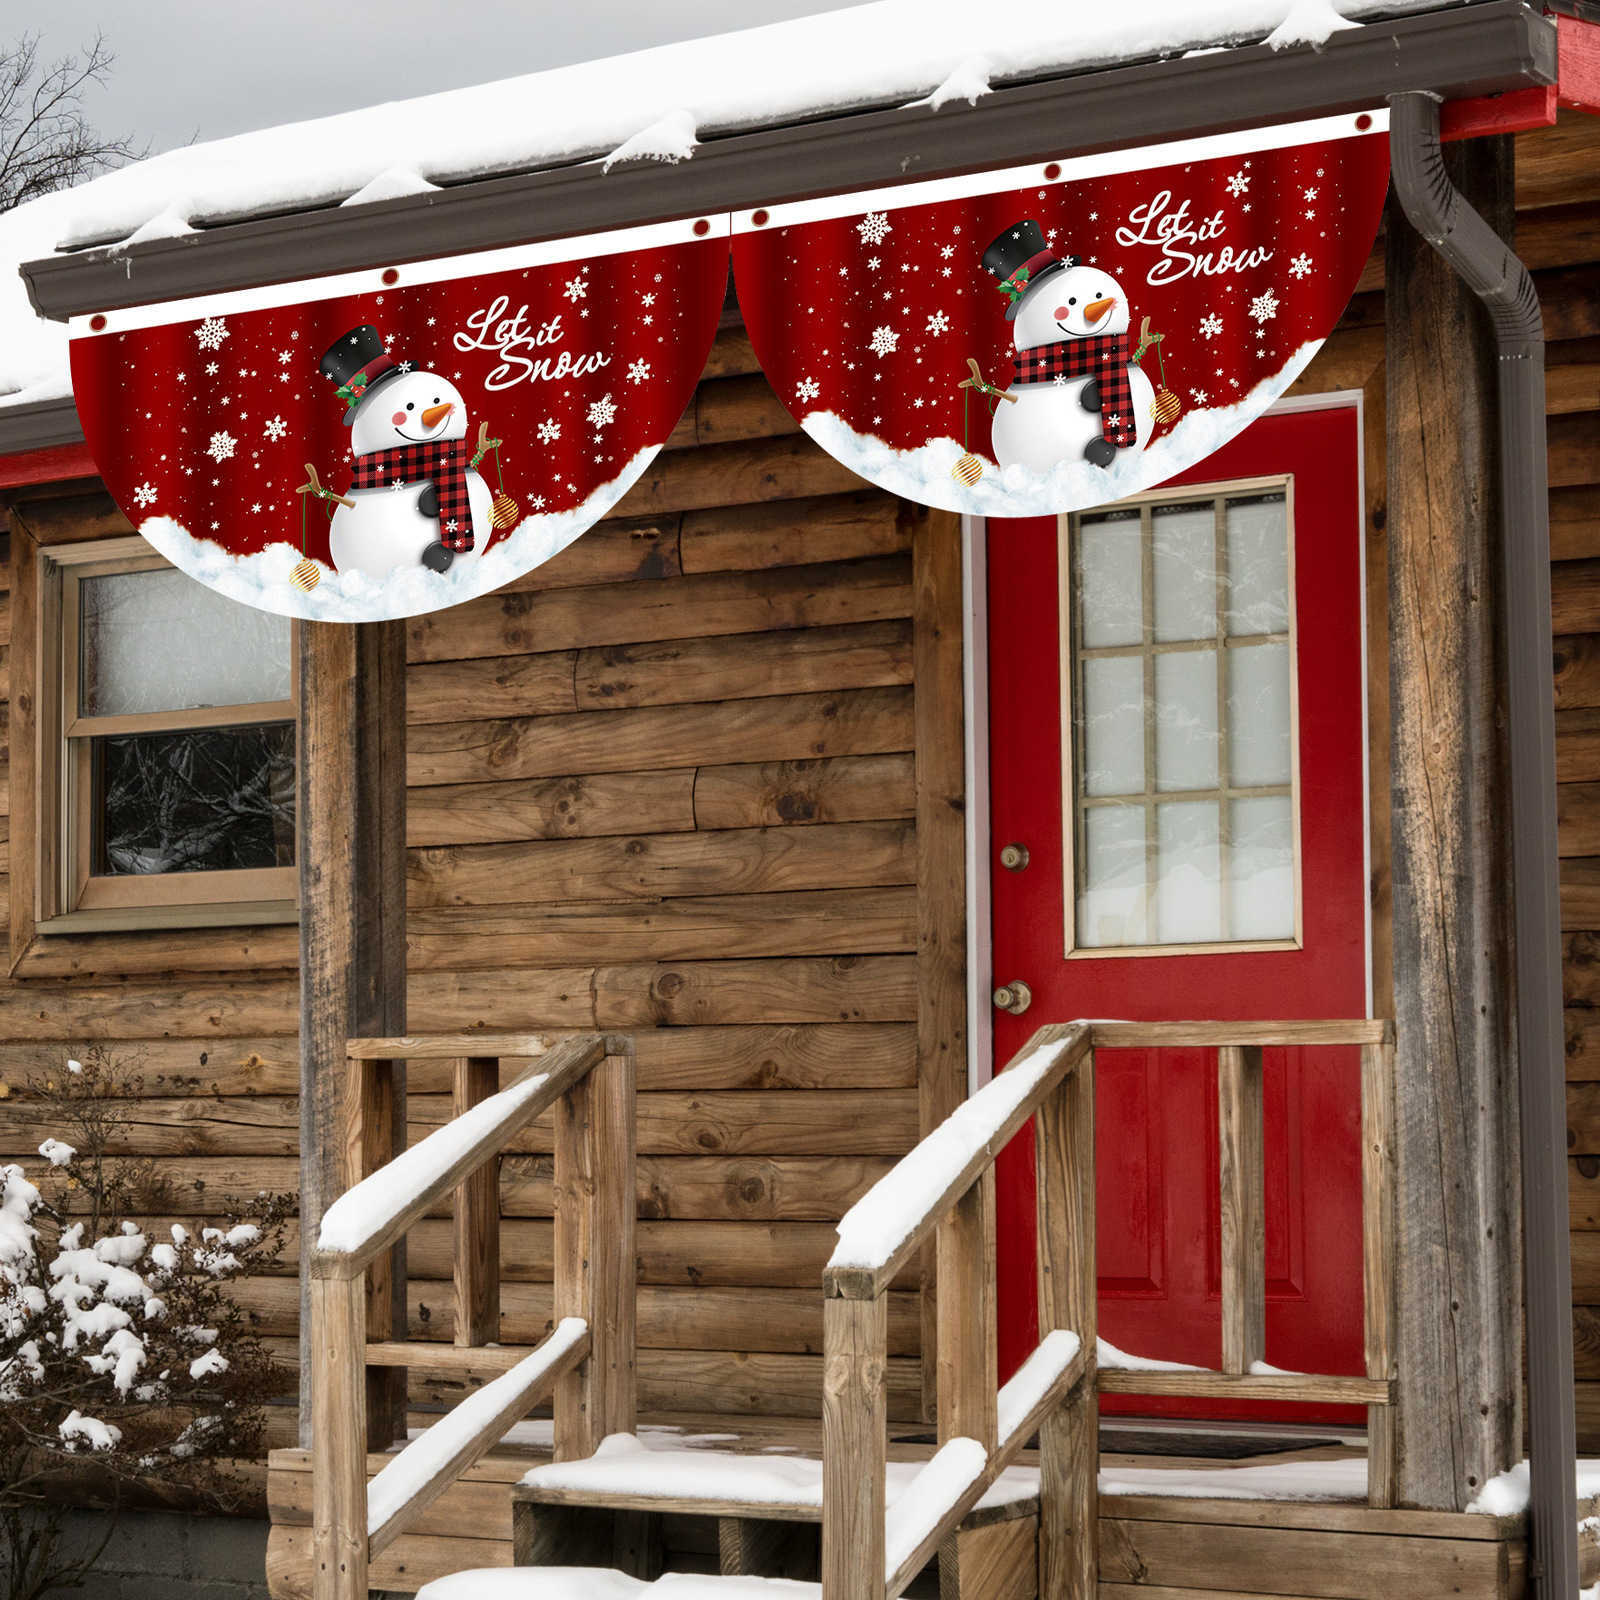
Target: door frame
(975, 675)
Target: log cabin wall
(668, 783)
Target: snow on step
(942, 1481)
(625, 1465)
(596, 1583)
(431, 1450)
(1108, 1356)
(1031, 1381)
(361, 1213)
(883, 1218)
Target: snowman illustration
(415, 494)
(1079, 391)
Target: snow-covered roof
(655, 103)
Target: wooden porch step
(600, 1583)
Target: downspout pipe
(1490, 268)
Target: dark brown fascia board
(1478, 49)
(39, 425)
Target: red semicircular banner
(388, 442)
(1032, 341)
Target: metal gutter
(1490, 268)
(1466, 51)
(39, 425)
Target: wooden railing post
(1243, 1209)
(855, 1420)
(1069, 1437)
(1378, 1223)
(594, 1250)
(968, 1362)
(476, 1227)
(374, 1136)
(339, 1437)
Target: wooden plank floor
(1152, 1546)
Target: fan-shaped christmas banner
(1032, 341)
(387, 442)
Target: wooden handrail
(369, 1217)
(1216, 1035)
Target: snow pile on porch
(654, 104)
(1507, 1495)
(598, 1583)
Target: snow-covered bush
(123, 1359)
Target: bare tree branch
(46, 142)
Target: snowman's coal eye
(411, 405)
(1072, 300)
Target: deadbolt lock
(1014, 997)
(1014, 857)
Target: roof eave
(1459, 53)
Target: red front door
(1177, 741)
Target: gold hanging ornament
(503, 512)
(968, 468)
(306, 574)
(1166, 407)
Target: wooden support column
(941, 853)
(351, 847)
(476, 1225)
(1458, 1337)
(968, 1364)
(855, 1419)
(1243, 1207)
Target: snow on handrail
(899, 1203)
(375, 1211)
(430, 1463)
(930, 1497)
(1032, 1381)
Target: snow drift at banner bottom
(389, 442)
(1049, 337)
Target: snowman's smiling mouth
(422, 438)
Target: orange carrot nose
(1091, 312)
(437, 413)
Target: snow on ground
(1280, 1480)
(886, 1215)
(1507, 1494)
(1016, 491)
(263, 580)
(658, 101)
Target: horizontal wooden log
(516, 622)
(1578, 820)
(731, 353)
(1578, 746)
(1577, 671)
(818, 922)
(1574, 442)
(1347, 360)
(782, 728)
(784, 533)
(614, 550)
(1575, 523)
(1582, 1043)
(725, 410)
(1580, 889)
(1555, 167)
(158, 1125)
(1583, 1192)
(1583, 1118)
(1575, 596)
(834, 789)
(1580, 968)
(81, 1012)
(174, 955)
(802, 989)
(552, 808)
(557, 997)
(491, 686)
(1585, 1267)
(170, 1066)
(1572, 387)
(736, 474)
(737, 862)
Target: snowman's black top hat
(358, 363)
(1019, 258)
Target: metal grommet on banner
(390, 275)
(701, 228)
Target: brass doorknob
(1014, 997)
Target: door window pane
(1184, 789)
(160, 641)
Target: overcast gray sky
(208, 68)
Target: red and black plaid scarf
(442, 462)
(1103, 356)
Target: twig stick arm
(982, 385)
(311, 486)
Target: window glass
(1183, 708)
(159, 641)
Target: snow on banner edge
(581, 408)
(1244, 249)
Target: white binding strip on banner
(1071, 169)
(370, 280)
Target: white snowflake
(221, 446)
(938, 323)
(604, 410)
(577, 288)
(1199, 396)
(1238, 183)
(1265, 306)
(807, 389)
(884, 340)
(638, 372)
(874, 262)
(1300, 267)
(874, 228)
(537, 502)
(211, 333)
(1211, 325)
(549, 431)
(276, 428)
(1311, 194)
(285, 357)
(211, 369)
(144, 494)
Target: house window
(168, 759)
(1180, 696)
